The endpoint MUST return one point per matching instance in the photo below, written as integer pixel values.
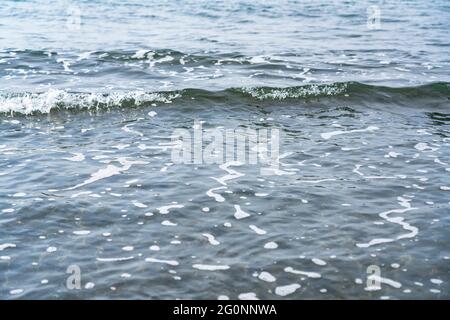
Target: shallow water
(88, 179)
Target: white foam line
(257, 230)
(169, 262)
(6, 246)
(266, 276)
(46, 101)
(287, 290)
(303, 273)
(75, 195)
(217, 197)
(139, 204)
(109, 171)
(240, 214)
(81, 232)
(210, 267)
(356, 170)
(318, 261)
(275, 164)
(232, 174)
(166, 209)
(211, 239)
(413, 231)
(115, 259)
(328, 135)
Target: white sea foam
(271, 245)
(240, 214)
(266, 276)
(16, 291)
(89, 285)
(166, 209)
(6, 246)
(169, 262)
(261, 194)
(318, 261)
(287, 290)
(257, 230)
(217, 197)
(168, 223)
(109, 171)
(257, 59)
(435, 291)
(211, 239)
(115, 259)
(139, 204)
(140, 54)
(328, 135)
(436, 281)
(413, 231)
(210, 267)
(232, 174)
(46, 101)
(314, 275)
(81, 232)
(295, 93)
(248, 296)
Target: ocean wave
(53, 100)
(44, 102)
(267, 93)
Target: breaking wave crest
(51, 100)
(29, 103)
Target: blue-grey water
(91, 93)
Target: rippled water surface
(91, 95)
